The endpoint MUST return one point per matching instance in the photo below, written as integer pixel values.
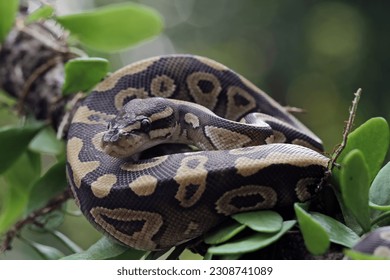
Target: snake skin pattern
(375, 243)
(258, 155)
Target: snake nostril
(110, 137)
(114, 137)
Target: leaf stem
(380, 218)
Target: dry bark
(32, 70)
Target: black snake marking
(160, 202)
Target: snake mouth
(127, 147)
(122, 147)
(112, 151)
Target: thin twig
(339, 149)
(34, 76)
(52, 205)
(347, 130)
(61, 51)
(297, 110)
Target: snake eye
(145, 125)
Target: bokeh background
(310, 54)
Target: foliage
(352, 185)
(361, 186)
(250, 243)
(14, 142)
(81, 74)
(316, 238)
(119, 26)
(372, 139)
(26, 145)
(8, 11)
(106, 249)
(354, 180)
(44, 12)
(16, 197)
(355, 255)
(379, 188)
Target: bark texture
(32, 70)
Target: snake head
(139, 125)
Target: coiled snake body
(256, 156)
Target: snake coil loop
(255, 155)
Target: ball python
(253, 154)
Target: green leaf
(50, 184)
(372, 138)
(338, 232)
(208, 256)
(383, 219)
(223, 234)
(43, 12)
(348, 217)
(14, 141)
(46, 252)
(355, 255)
(159, 255)
(113, 27)
(262, 221)
(355, 183)
(316, 238)
(51, 221)
(46, 142)
(82, 74)
(129, 254)
(379, 194)
(230, 257)
(8, 10)
(67, 242)
(7, 100)
(19, 178)
(251, 243)
(102, 249)
(176, 253)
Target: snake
(243, 152)
(375, 243)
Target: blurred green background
(304, 53)
(309, 54)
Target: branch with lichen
(32, 218)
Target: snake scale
(253, 153)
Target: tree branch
(52, 205)
(32, 70)
(347, 129)
(32, 62)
